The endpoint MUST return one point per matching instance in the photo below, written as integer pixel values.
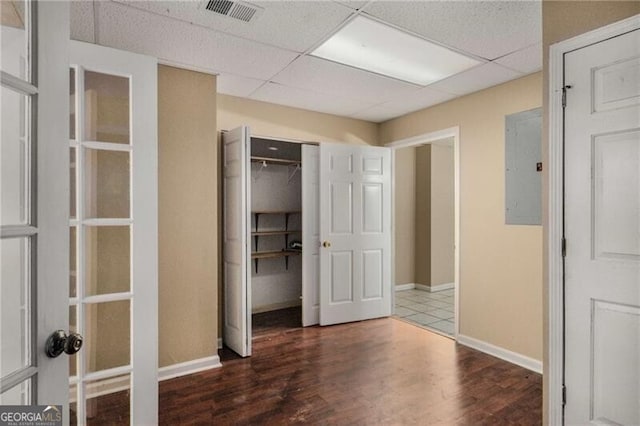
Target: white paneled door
(310, 235)
(237, 288)
(602, 230)
(113, 280)
(355, 233)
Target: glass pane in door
(14, 159)
(14, 35)
(106, 101)
(109, 401)
(17, 395)
(107, 335)
(15, 297)
(107, 265)
(106, 181)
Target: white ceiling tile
(475, 79)
(376, 114)
(488, 29)
(293, 25)
(320, 75)
(235, 85)
(82, 22)
(420, 99)
(526, 61)
(134, 30)
(306, 99)
(355, 5)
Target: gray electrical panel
(523, 177)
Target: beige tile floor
(430, 310)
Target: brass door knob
(326, 244)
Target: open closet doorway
(426, 231)
(276, 236)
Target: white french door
(355, 230)
(113, 281)
(602, 231)
(33, 188)
(237, 251)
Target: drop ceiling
(268, 58)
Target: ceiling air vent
(234, 9)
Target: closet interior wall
(276, 207)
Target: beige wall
(267, 119)
(562, 20)
(442, 214)
(422, 224)
(188, 215)
(405, 213)
(501, 266)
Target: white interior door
(602, 229)
(34, 189)
(113, 284)
(355, 230)
(237, 296)
(310, 235)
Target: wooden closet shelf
(273, 254)
(275, 212)
(261, 233)
(269, 160)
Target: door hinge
(564, 95)
(564, 395)
(564, 247)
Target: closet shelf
(276, 212)
(270, 160)
(266, 233)
(273, 254)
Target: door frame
(554, 365)
(425, 139)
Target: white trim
(451, 132)
(189, 67)
(425, 138)
(555, 337)
(276, 306)
(502, 353)
(220, 343)
(435, 288)
(554, 368)
(188, 367)
(403, 287)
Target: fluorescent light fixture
(372, 46)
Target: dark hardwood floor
(275, 322)
(384, 372)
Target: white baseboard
(220, 343)
(434, 288)
(189, 367)
(402, 287)
(276, 306)
(504, 354)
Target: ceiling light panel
(372, 46)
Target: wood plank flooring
(378, 372)
(274, 322)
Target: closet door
(237, 306)
(355, 230)
(310, 235)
